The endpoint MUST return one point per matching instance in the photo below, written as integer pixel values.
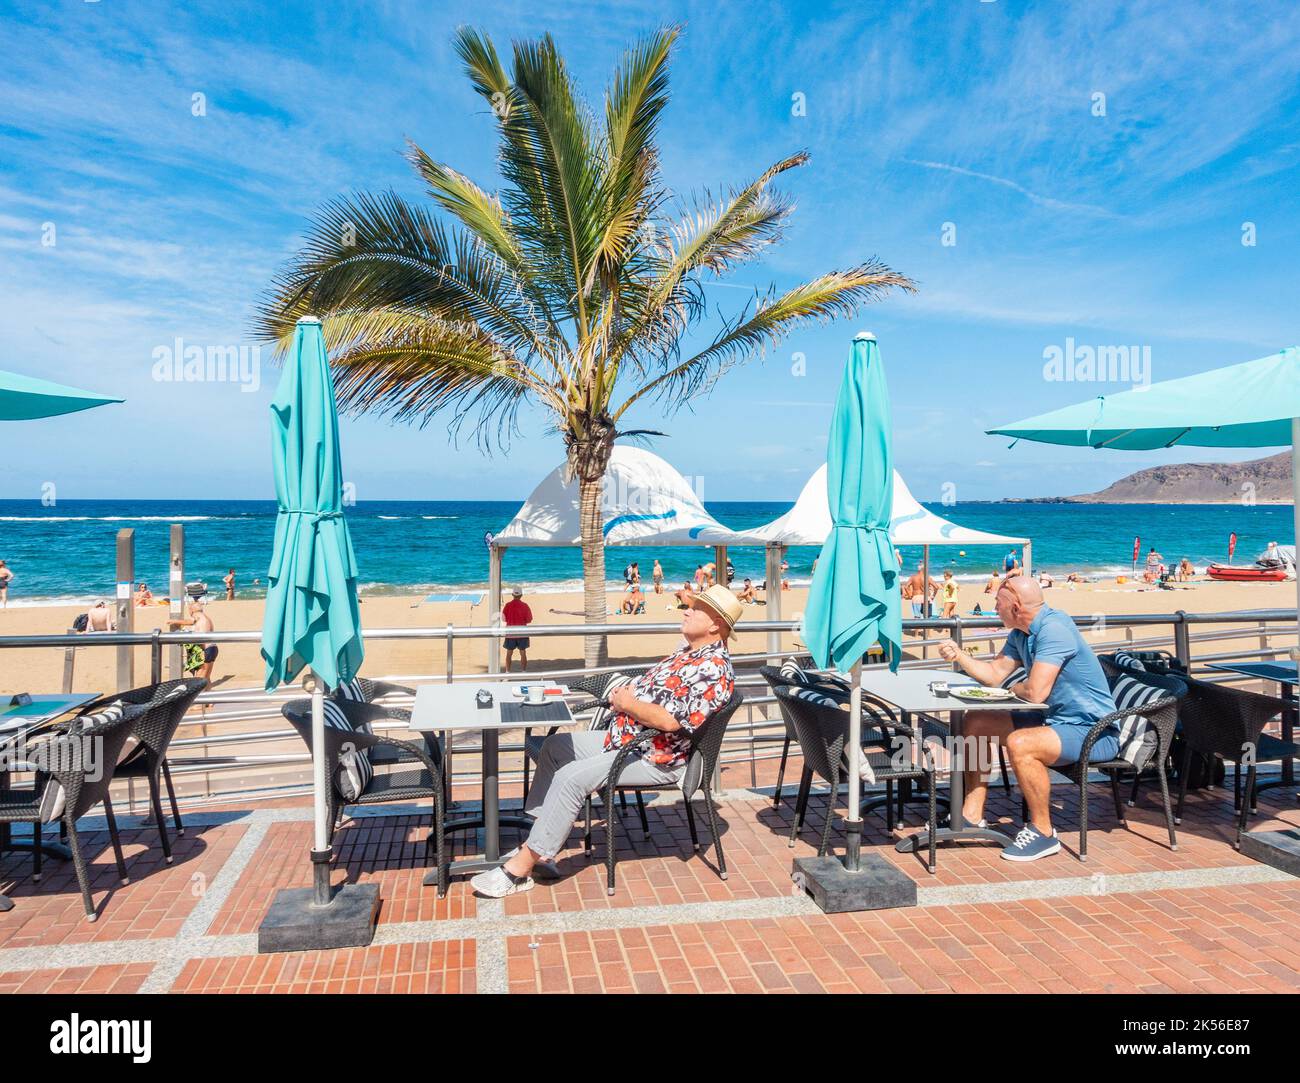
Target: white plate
(981, 694)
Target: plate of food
(982, 695)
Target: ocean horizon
(64, 554)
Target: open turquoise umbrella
(312, 620)
(1252, 405)
(25, 398)
(853, 602)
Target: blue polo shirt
(1080, 694)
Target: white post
(1295, 518)
(494, 607)
(772, 595)
(1028, 559)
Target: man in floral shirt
(672, 698)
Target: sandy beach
(239, 665)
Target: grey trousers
(569, 767)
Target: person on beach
(995, 581)
(672, 699)
(657, 577)
(699, 577)
(1063, 672)
(1010, 563)
(948, 593)
(516, 614)
(99, 618)
(635, 602)
(1186, 571)
(1045, 580)
(229, 580)
(785, 582)
(199, 657)
(746, 593)
(6, 577)
(1154, 564)
(921, 587)
(143, 595)
(684, 595)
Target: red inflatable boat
(1231, 573)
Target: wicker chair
(1162, 714)
(1229, 723)
(1174, 682)
(593, 686)
(364, 690)
(823, 731)
(165, 704)
(61, 761)
(421, 780)
(706, 745)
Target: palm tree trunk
(588, 460)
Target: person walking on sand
(657, 576)
(199, 657)
(6, 576)
(516, 614)
(229, 580)
(948, 593)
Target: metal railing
(210, 746)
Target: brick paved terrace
(1136, 917)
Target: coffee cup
(536, 693)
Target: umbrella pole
(1295, 518)
(321, 850)
(853, 825)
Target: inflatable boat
(1254, 573)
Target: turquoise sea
(65, 552)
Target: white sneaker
(543, 870)
(497, 883)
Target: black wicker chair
(1229, 723)
(1170, 680)
(706, 745)
(80, 757)
(421, 779)
(593, 686)
(1162, 714)
(823, 731)
(165, 706)
(364, 690)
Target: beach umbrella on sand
(853, 602)
(1252, 405)
(312, 621)
(25, 398)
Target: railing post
(176, 598)
(125, 604)
(69, 664)
(155, 659)
(958, 637)
(451, 665)
(1182, 641)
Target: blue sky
(1122, 229)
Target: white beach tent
(645, 501)
(809, 521)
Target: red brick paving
(440, 967)
(82, 979)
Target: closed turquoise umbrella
(25, 398)
(1252, 405)
(853, 602)
(312, 620)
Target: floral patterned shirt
(690, 685)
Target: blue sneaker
(1031, 844)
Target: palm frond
(830, 296)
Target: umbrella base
(1281, 849)
(878, 885)
(295, 923)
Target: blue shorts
(917, 609)
(1071, 735)
(517, 644)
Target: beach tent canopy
(645, 502)
(25, 398)
(809, 521)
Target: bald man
(1064, 673)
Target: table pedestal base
(914, 843)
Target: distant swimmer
(229, 580)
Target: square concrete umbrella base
(295, 924)
(1281, 849)
(878, 885)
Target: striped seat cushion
(1138, 739)
(54, 799)
(1130, 662)
(812, 695)
(352, 691)
(793, 672)
(354, 771)
(603, 714)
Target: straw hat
(724, 605)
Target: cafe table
(1284, 673)
(909, 691)
(17, 720)
(456, 708)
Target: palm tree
(571, 288)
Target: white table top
(909, 690)
(453, 706)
